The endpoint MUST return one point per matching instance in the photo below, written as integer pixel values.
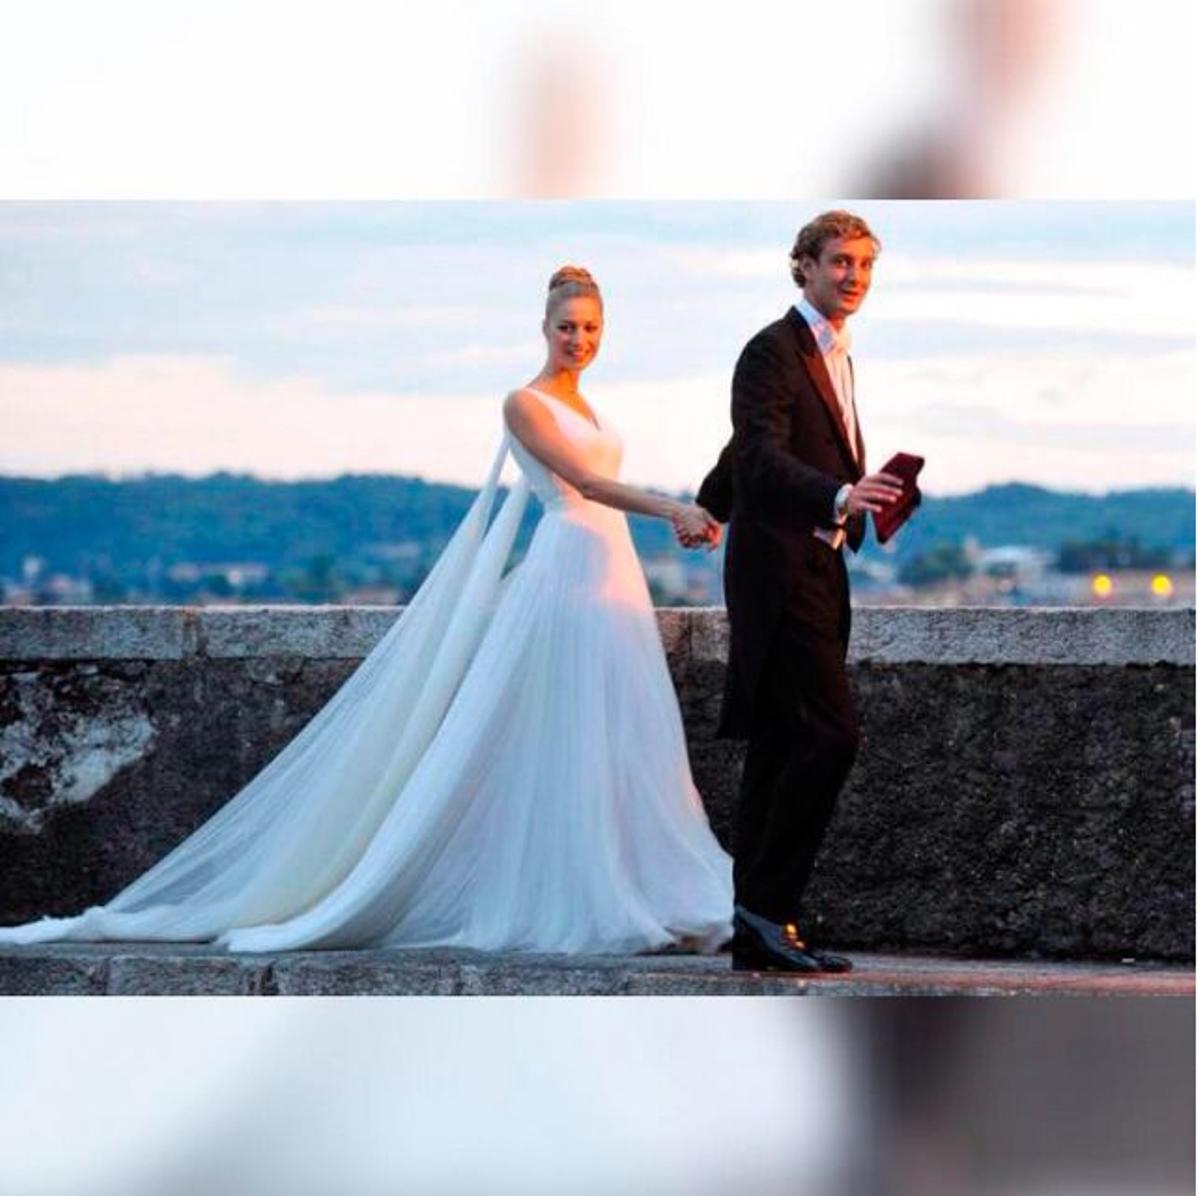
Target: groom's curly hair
(810, 240)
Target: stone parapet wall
(1025, 784)
(891, 635)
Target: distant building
(31, 569)
(61, 589)
(395, 550)
(17, 595)
(237, 574)
(1018, 563)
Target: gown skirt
(506, 770)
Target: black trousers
(803, 744)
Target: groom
(791, 485)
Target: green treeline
(312, 539)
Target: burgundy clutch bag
(904, 466)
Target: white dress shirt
(834, 346)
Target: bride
(506, 769)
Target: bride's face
(573, 332)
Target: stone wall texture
(1025, 783)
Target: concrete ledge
(1024, 636)
(891, 635)
(97, 632)
(133, 969)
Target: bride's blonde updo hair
(571, 282)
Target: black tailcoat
(775, 481)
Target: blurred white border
(210, 99)
(139, 1097)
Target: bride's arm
(537, 430)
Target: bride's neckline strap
(592, 419)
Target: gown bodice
(600, 446)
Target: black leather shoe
(831, 962)
(763, 946)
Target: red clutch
(904, 466)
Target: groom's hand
(694, 527)
(709, 540)
(874, 492)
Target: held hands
(873, 493)
(694, 527)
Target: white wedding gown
(506, 769)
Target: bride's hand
(695, 526)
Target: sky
(1035, 341)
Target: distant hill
(222, 517)
(1022, 514)
(84, 524)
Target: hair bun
(571, 282)
(566, 274)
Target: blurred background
(294, 401)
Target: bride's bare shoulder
(521, 396)
(523, 405)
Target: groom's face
(837, 282)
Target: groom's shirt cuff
(839, 500)
(835, 536)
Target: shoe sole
(765, 965)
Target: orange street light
(1102, 585)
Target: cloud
(1103, 276)
(194, 415)
(1065, 420)
(417, 315)
(719, 263)
(1056, 419)
(1120, 295)
(1127, 298)
(473, 354)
